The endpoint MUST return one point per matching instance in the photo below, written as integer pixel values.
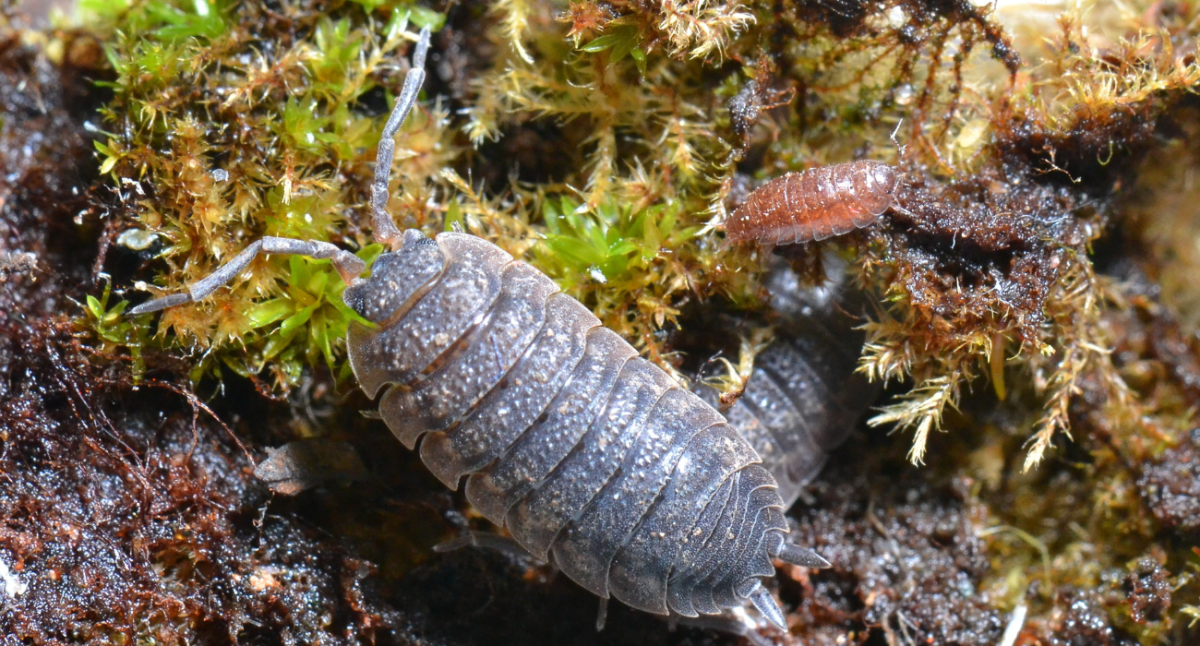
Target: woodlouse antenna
(899, 148)
(386, 231)
(349, 266)
(899, 158)
(828, 4)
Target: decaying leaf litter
(1017, 294)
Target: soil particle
(1148, 590)
(982, 244)
(1084, 622)
(907, 561)
(1171, 485)
(129, 515)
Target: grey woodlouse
(589, 454)
(814, 204)
(804, 397)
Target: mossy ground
(1039, 283)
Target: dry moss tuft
(991, 274)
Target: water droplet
(136, 239)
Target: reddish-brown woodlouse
(590, 455)
(814, 204)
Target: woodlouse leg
(602, 614)
(485, 540)
(347, 264)
(901, 209)
(386, 231)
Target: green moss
(116, 332)
(234, 127)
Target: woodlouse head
(884, 176)
(395, 277)
(874, 187)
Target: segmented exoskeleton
(804, 397)
(814, 204)
(588, 454)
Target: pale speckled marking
(549, 439)
(722, 547)
(481, 360)
(510, 410)
(573, 483)
(396, 278)
(753, 560)
(461, 297)
(591, 541)
(639, 572)
(560, 427)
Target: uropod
(591, 456)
